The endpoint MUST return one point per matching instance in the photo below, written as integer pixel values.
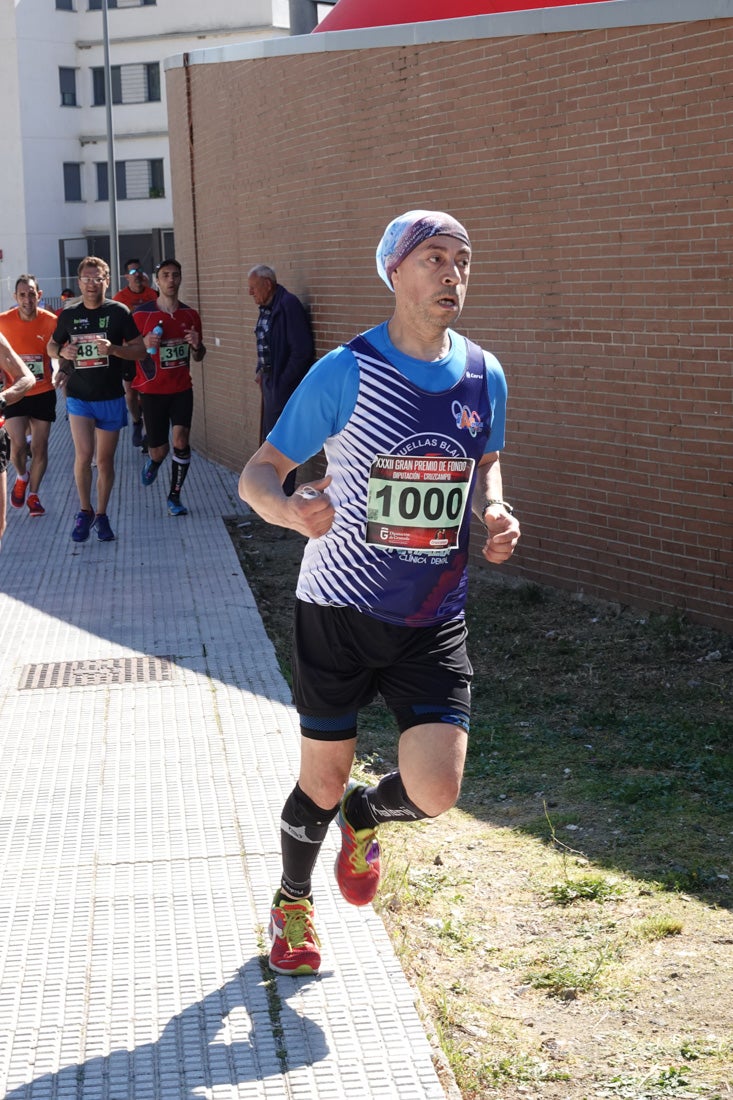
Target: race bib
(417, 503)
(35, 364)
(87, 351)
(173, 354)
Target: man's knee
(436, 797)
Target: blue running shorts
(108, 416)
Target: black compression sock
(388, 801)
(303, 828)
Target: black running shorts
(163, 410)
(343, 658)
(37, 406)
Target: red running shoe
(295, 944)
(357, 865)
(17, 497)
(34, 505)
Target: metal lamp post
(114, 246)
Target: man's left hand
(503, 534)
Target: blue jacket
(292, 352)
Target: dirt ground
(626, 992)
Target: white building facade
(54, 187)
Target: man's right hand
(311, 514)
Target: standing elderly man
(28, 330)
(285, 348)
(16, 380)
(411, 416)
(96, 343)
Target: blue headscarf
(406, 232)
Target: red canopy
(350, 14)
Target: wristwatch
(501, 503)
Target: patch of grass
(709, 1047)
(600, 757)
(587, 888)
(274, 1002)
(570, 973)
(520, 1069)
(659, 927)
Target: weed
(521, 1069)
(659, 927)
(456, 933)
(711, 1047)
(567, 977)
(274, 1003)
(589, 888)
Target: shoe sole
(299, 972)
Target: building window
(64, 5)
(72, 182)
(130, 84)
(135, 179)
(96, 5)
(67, 87)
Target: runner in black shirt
(97, 343)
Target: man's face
(27, 297)
(135, 280)
(430, 283)
(261, 289)
(169, 280)
(93, 282)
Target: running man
(28, 330)
(16, 380)
(163, 379)
(96, 343)
(411, 416)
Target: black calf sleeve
(179, 468)
(303, 828)
(387, 801)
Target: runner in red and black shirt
(163, 379)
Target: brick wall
(593, 170)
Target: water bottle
(157, 331)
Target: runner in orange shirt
(28, 330)
(137, 291)
(15, 381)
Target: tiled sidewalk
(147, 743)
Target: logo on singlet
(466, 418)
